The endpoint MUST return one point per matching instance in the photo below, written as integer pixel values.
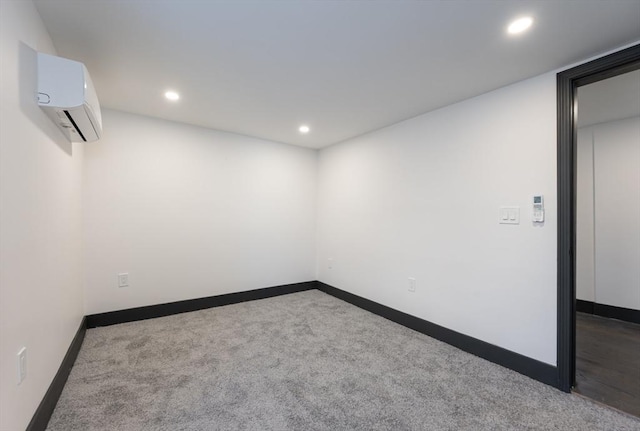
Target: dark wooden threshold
(608, 361)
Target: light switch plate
(509, 215)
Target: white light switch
(509, 215)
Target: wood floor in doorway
(608, 361)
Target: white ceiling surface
(612, 99)
(262, 68)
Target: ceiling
(612, 99)
(262, 68)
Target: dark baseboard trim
(535, 369)
(620, 313)
(584, 306)
(168, 309)
(44, 411)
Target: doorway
(568, 83)
(608, 242)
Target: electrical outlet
(330, 263)
(412, 284)
(123, 279)
(22, 364)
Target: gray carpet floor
(305, 361)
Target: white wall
(617, 213)
(585, 252)
(40, 235)
(190, 212)
(421, 199)
(609, 161)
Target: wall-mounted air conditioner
(66, 94)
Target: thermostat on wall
(538, 208)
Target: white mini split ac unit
(66, 94)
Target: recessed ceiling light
(304, 129)
(172, 95)
(520, 25)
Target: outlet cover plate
(22, 365)
(412, 284)
(123, 279)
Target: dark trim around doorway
(568, 81)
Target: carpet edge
(537, 370)
(43, 413)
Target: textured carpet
(305, 361)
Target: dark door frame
(568, 82)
